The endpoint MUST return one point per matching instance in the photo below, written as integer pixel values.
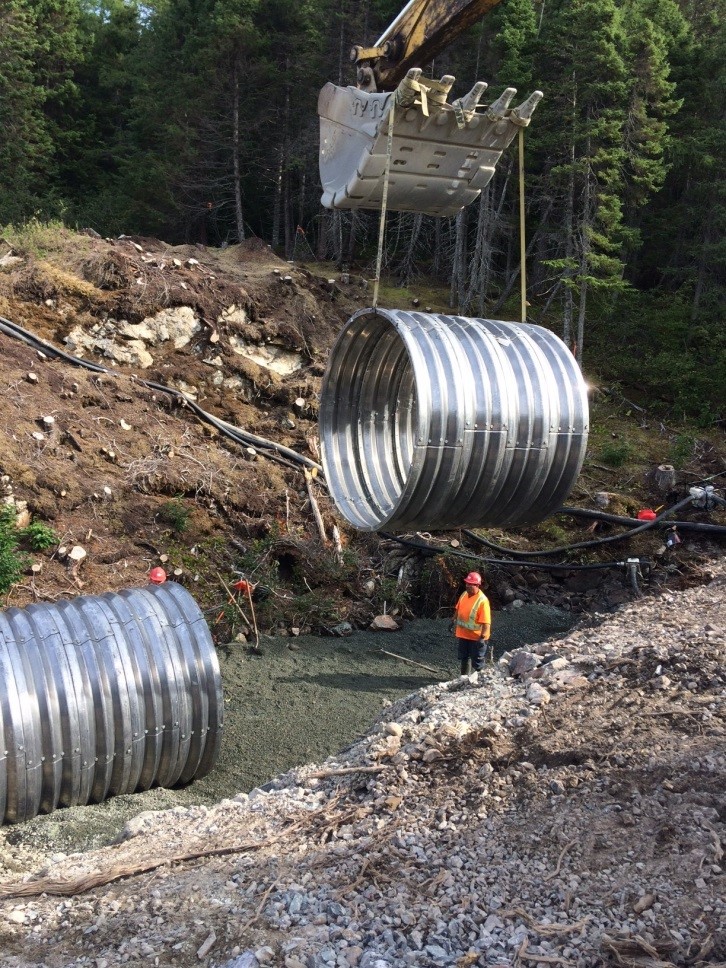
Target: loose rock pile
(565, 807)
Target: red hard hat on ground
(473, 578)
(157, 576)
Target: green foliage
(682, 450)
(12, 562)
(391, 594)
(653, 342)
(315, 609)
(553, 531)
(39, 536)
(36, 236)
(616, 454)
(176, 514)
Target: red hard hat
(157, 576)
(473, 578)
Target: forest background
(195, 121)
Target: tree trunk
(277, 206)
(701, 274)
(342, 48)
(515, 273)
(584, 267)
(338, 235)
(480, 258)
(437, 247)
(458, 273)
(665, 478)
(350, 248)
(408, 263)
(569, 239)
(321, 247)
(301, 203)
(238, 215)
(287, 213)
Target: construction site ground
(595, 817)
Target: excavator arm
(418, 34)
(439, 156)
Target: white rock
(206, 946)
(384, 623)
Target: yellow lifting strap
(405, 95)
(384, 203)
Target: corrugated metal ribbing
(102, 695)
(431, 422)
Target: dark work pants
(471, 651)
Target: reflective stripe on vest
(470, 624)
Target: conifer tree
(25, 144)
(38, 53)
(101, 119)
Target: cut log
(665, 478)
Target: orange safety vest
(466, 625)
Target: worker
(472, 624)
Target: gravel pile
(565, 807)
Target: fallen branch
(547, 959)
(636, 952)
(314, 505)
(87, 882)
(345, 771)
(564, 850)
(601, 467)
(260, 908)
(254, 617)
(543, 928)
(402, 658)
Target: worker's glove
(452, 626)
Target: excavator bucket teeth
(440, 161)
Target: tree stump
(665, 478)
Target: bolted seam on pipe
(102, 695)
(430, 421)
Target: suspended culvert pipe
(432, 422)
(102, 695)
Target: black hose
(619, 519)
(228, 430)
(432, 550)
(610, 539)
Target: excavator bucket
(442, 154)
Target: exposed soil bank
(298, 702)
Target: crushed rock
(477, 823)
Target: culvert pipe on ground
(102, 695)
(430, 421)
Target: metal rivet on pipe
(102, 695)
(431, 422)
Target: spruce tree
(26, 149)
(582, 153)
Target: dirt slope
(127, 472)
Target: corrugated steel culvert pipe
(431, 422)
(102, 695)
